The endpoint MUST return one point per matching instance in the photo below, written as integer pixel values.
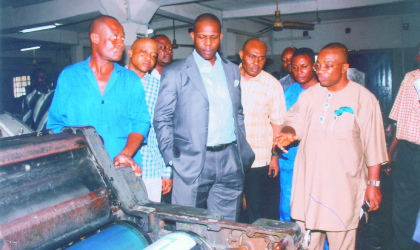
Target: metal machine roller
(63, 191)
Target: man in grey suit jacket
(199, 124)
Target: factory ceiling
(76, 15)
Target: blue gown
(287, 161)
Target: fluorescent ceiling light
(31, 48)
(292, 38)
(52, 26)
(150, 31)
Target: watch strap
(374, 183)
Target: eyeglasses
(327, 67)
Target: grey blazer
(182, 116)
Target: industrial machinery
(11, 126)
(62, 191)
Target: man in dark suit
(199, 124)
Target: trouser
(262, 194)
(406, 194)
(342, 240)
(154, 188)
(218, 187)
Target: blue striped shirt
(153, 164)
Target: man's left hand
(166, 185)
(122, 159)
(274, 165)
(374, 196)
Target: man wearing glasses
(339, 125)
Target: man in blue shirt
(155, 174)
(100, 93)
(302, 69)
(199, 125)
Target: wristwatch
(374, 183)
(276, 155)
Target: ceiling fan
(174, 44)
(278, 25)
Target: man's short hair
(98, 20)
(250, 39)
(338, 46)
(160, 35)
(305, 51)
(208, 17)
(288, 48)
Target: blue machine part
(119, 236)
(180, 240)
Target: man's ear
(130, 53)
(94, 38)
(192, 35)
(241, 55)
(221, 35)
(345, 67)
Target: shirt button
(102, 102)
(206, 128)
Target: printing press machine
(62, 191)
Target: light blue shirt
(153, 164)
(121, 110)
(221, 128)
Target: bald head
(99, 22)
(254, 42)
(143, 55)
(341, 48)
(142, 42)
(207, 18)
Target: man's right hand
(122, 160)
(283, 140)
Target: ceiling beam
(186, 12)
(47, 13)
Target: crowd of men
(306, 149)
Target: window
(19, 84)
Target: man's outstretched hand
(283, 140)
(122, 160)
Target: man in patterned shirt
(406, 193)
(264, 110)
(156, 176)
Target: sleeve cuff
(167, 173)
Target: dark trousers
(406, 194)
(262, 194)
(218, 187)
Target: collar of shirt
(92, 79)
(204, 65)
(145, 77)
(155, 74)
